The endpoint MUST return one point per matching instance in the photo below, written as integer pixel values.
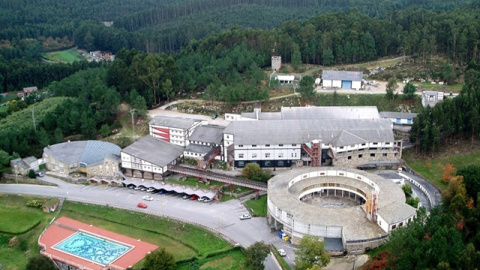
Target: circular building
(92, 158)
(353, 208)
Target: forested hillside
(166, 26)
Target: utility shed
(342, 79)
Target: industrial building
(342, 79)
(353, 208)
(311, 136)
(92, 158)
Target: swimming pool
(92, 248)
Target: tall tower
(276, 63)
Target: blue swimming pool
(92, 248)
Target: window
(280, 155)
(394, 227)
(372, 155)
(228, 136)
(294, 145)
(363, 144)
(341, 147)
(254, 145)
(267, 155)
(254, 155)
(375, 143)
(240, 145)
(240, 155)
(385, 154)
(280, 145)
(349, 157)
(267, 145)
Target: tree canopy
(255, 255)
(159, 259)
(311, 251)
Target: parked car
(143, 189)
(186, 196)
(147, 198)
(245, 216)
(207, 200)
(282, 252)
(138, 188)
(151, 189)
(40, 174)
(131, 186)
(162, 191)
(141, 205)
(194, 197)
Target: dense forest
(325, 39)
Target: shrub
(31, 174)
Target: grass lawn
(15, 256)
(184, 241)
(18, 222)
(231, 260)
(258, 206)
(378, 100)
(459, 155)
(66, 56)
(455, 88)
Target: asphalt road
(222, 218)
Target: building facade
(149, 158)
(342, 79)
(173, 130)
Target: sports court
(78, 245)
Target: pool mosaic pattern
(92, 248)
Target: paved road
(222, 217)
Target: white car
(147, 198)
(245, 216)
(282, 252)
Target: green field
(432, 168)
(14, 254)
(258, 206)
(17, 222)
(66, 56)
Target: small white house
(286, 79)
(342, 79)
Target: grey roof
(174, 122)
(330, 112)
(342, 75)
(29, 160)
(403, 115)
(263, 115)
(88, 152)
(19, 162)
(325, 112)
(336, 132)
(198, 148)
(208, 134)
(154, 150)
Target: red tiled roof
(64, 227)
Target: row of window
(364, 144)
(371, 155)
(266, 145)
(267, 155)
